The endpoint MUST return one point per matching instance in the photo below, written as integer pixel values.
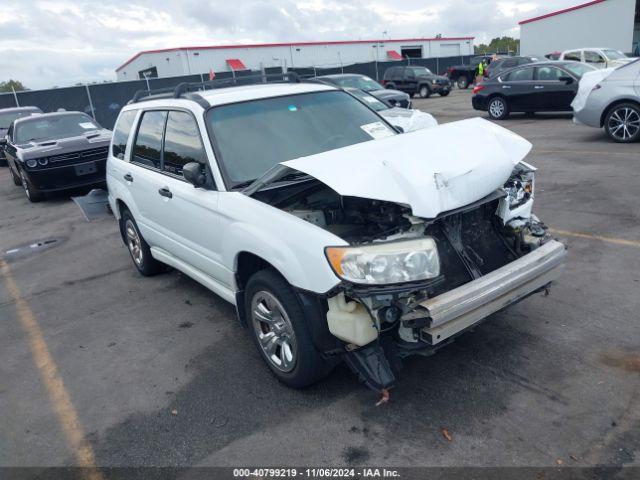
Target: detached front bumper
(456, 310)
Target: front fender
(294, 247)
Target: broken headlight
(519, 188)
(384, 263)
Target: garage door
(449, 50)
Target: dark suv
(414, 79)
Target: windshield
(54, 127)
(614, 54)
(579, 69)
(369, 100)
(252, 137)
(421, 71)
(6, 119)
(361, 82)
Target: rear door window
(148, 147)
(121, 133)
(519, 75)
(549, 74)
(182, 143)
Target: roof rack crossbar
(180, 90)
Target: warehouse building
(194, 60)
(599, 23)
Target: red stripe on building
(560, 12)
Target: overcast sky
(60, 42)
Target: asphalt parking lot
(100, 364)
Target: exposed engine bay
(472, 242)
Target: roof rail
(183, 89)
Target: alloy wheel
(274, 331)
(624, 123)
(496, 109)
(133, 243)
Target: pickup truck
(463, 75)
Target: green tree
(11, 85)
(499, 45)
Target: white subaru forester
(336, 236)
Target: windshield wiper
(276, 174)
(244, 184)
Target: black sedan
(56, 151)
(537, 87)
(395, 98)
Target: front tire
(138, 247)
(463, 83)
(498, 108)
(278, 328)
(622, 123)
(33, 194)
(16, 179)
(424, 92)
(444, 93)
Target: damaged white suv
(334, 235)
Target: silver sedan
(610, 99)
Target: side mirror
(193, 173)
(567, 80)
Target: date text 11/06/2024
(315, 473)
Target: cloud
(61, 42)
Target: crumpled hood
(432, 170)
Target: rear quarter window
(121, 133)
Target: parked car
(504, 63)
(335, 237)
(537, 87)
(56, 151)
(464, 75)
(362, 82)
(553, 55)
(406, 119)
(597, 57)
(416, 80)
(611, 100)
(7, 116)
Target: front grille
(99, 153)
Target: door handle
(128, 177)
(165, 192)
(539, 87)
(506, 86)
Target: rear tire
(138, 247)
(463, 83)
(622, 123)
(33, 194)
(498, 108)
(424, 91)
(278, 329)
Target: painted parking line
(58, 394)
(617, 241)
